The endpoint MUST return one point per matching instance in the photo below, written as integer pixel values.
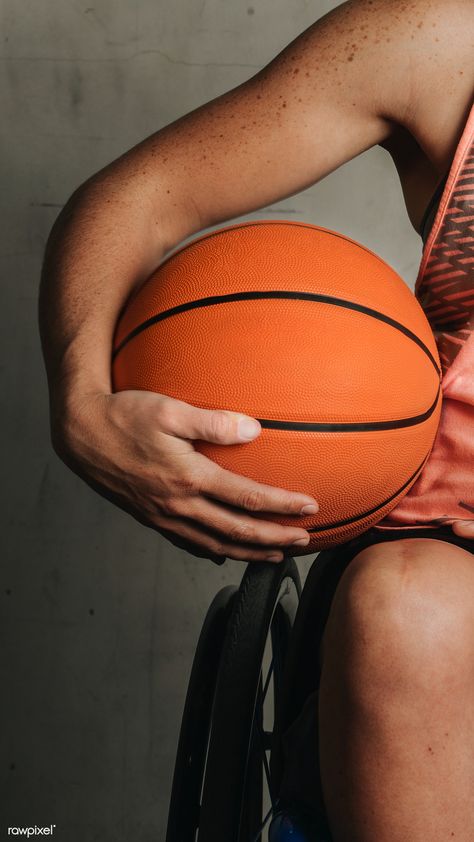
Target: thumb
(463, 528)
(220, 426)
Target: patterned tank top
(444, 491)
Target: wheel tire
(183, 817)
(267, 600)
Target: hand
(135, 449)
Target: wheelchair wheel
(222, 763)
(183, 815)
(302, 666)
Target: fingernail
(301, 542)
(310, 509)
(277, 557)
(248, 429)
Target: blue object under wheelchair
(295, 825)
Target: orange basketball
(316, 337)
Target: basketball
(315, 336)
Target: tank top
(444, 491)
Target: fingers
(463, 528)
(219, 426)
(208, 544)
(166, 484)
(188, 422)
(237, 527)
(253, 496)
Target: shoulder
(340, 87)
(408, 64)
(392, 51)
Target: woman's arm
(319, 103)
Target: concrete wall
(99, 615)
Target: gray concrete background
(99, 615)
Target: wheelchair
(256, 663)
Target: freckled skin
(385, 56)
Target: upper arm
(332, 93)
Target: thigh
(301, 781)
(436, 569)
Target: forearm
(104, 243)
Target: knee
(404, 608)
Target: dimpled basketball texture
(316, 337)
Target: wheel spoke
(266, 767)
(267, 680)
(259, 832)
(267, 775)
(267, 739)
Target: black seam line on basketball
(350, 427)
(285, 294)
(363, 515)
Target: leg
(396, 702)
